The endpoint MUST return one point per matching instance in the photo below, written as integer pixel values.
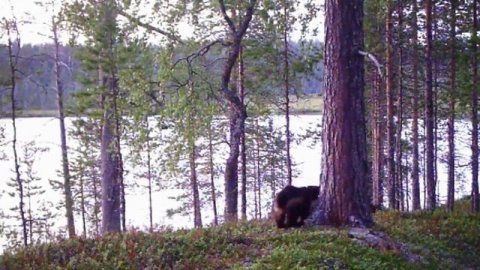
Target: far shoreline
(309, 105)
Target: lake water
(45, 133)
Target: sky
(35, 18)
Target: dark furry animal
(292, 205)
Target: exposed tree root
(382, 242)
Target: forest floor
(437, 240)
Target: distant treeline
(35, 90)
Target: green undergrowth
(442, 241)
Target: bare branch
(230, 95)
(151, 95)
(35, 82)
(374, 60)
(226, 17)
(201, 52)
(63, 64)
(150, 27)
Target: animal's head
(313, 192)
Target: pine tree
(451, 103)
(13, 46)
(415, 113)
(344, 193)
(389, 62)
(59, 87)
(475, 198)
(429, 113)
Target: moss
(443, 240)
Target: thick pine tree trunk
(111, 174)
(451, 109)
(391, 174)
(475, 203)
(344, 193)
(415, 114)
(429, 121)
(111, 216)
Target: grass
(308, 104)
(31, 113)
(442, 240)
(301, 105)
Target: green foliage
(85, 172)
(36, 213)
(446, 241)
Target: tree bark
(407, 185)
(475, 200)
(451, 109)
(191, 136)
(212, 174)
(435, 97)
(82, 205)
(231, 167)
(123, 203)
(258, 183)
(399, 151)
(429, 121)
(255, 200)
(286, 74)
(11, 26)
(391, 174)
(238, 112)
(344, 196)
(97, 204)
(63, 135)
(241, 88)
(378, 156)
(111, 216)
(149, 174)
(111, 174)
(415, 107)
(197, 214)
